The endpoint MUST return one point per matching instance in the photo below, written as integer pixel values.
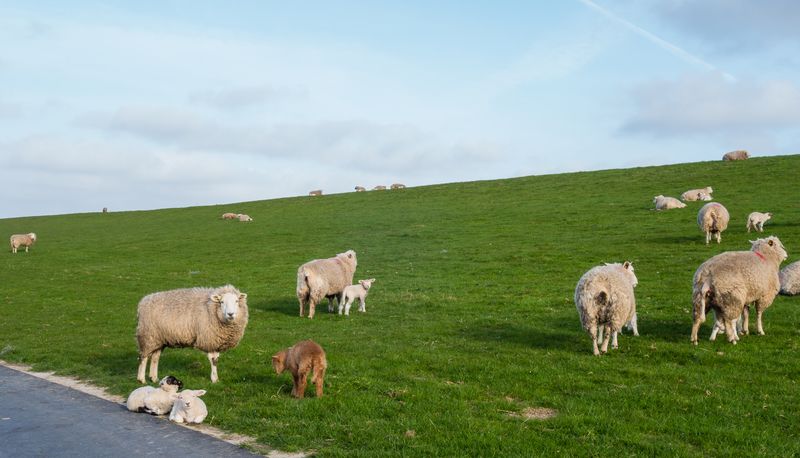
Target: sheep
(790, 279)
(713, 219)
(350, 293)
(324, 278)
(244, 218)
(697, 194)
(301, 359)
(604, 298)
(398, 186)
(316, 192)
(105, 209)
(738, 155)
(188, 407)
(20, 240)
(156, 401)
(756, 221)
(728, 282)
(212, 320)
(230, 216)
(666, 203)
(380, 187)
(360, 189)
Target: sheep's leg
(330, 304)
(341, 304)
(614, 340)
(142, 368)
(746, 320)
(730, 329)
(718, 236)
(759, 312)
(347, 305)
(606, 339)
(154, 357)
(708, 237)
(593, 334)
(319, 377)
(363, 306)
(717, 328)
(301, 385)
(213, 357)
(302, 306)
(698, 320)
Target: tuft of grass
(470, 329)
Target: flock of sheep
(380, 187)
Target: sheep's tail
(303, 289)
(714, 220)
(603, 301)
(700, 299)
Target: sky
(156, 104)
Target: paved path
(40, 418)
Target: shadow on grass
(285, 305)
(664, 239)
(546, 336)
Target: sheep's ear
(771, 242)
(216, 298)
(627, 265)
(350, 255)
(199, 393)
(372, 280)
(242, 296)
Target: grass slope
(471, 320)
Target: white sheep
(188, 407)
(322, 278)
(667, 203)
(350, 293)
(156, 401)
(790, 279)
(380, 187)
(316, 192)
(398, 186)
(729, 281)
(756, 221)
(713, 218)
(20, 240)
(360, 189)
(244, 218)
(697, 194)
(738, 155)
(209, 319)
(605, 300)
(230, 216)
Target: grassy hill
(470, 324)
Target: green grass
(471, 318)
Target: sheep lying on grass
(605, 300)
(244, 218)
(738, 155)
(380, 187)
(756, 221)
(209, 319)
(352, 292)
(729, 281)
(713, 218)
(697, 194)
(790, 279)
(667, 203)
(316, 192)
(322, 278)
(398, 186)
(230, 216)
(360, 189)
(156, 401)
(188, 407)
(22, 240)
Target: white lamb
(352, 292)
(188, 407)
(244, 218)
(156, 401)
(756, 221)
(667, 203)
(697, 194)
(20, 240)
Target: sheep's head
(767, 215)
(186, 398)
(229, 305)
(279, 361)
(170, 383)
(771, 246)
(709, 190)
(367, 284)
(627, 266)
(32, 235)
(349, 256)
(655, 199)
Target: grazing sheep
(756, 221)
(105, 209)
(156, 401)
(605, 300)
(350, 293)
(230, 216)
(360, 189)
(244, 218)
(398, 186)
(324, 278)
(208, 319)
(20, 240)
(713, 219)
(697, 194)
(728, 282)
(790, 279)
(380, 187)
(667, 203)
(188, 407)
(300, 359)
(316, 192)
(738, 155)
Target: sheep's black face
(170, 380)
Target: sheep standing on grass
(352, 292)
(316, 192)
(667, 203)
(713, 218)
(22, 240)
(738, 155)
(697, 194)
(323, 278)
(398, 186)
(605, 302)
(790, 279)
(208, 319)
(188, 407)
(380, 187)
(729, 281)
(756, 221)
(156, 401)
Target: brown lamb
(301, 359)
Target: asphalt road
(40, 418)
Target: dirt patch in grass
(534, 413)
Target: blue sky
(141, 105)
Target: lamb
(20, 240)
(230, 216)
(697, 194)
(790, 279)
(212, 320)
(324, 278)
(605, 300)
(729, 281)
(756, 221)
(398, 186)
(244, 218)
(188, 407)
(713, 218)
(360, 189)
(738, 155)
(350, 293)
(667, 203)
(380, 187)
(300, 359)
(156, 401)
(316, 192)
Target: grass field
(470, 322)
